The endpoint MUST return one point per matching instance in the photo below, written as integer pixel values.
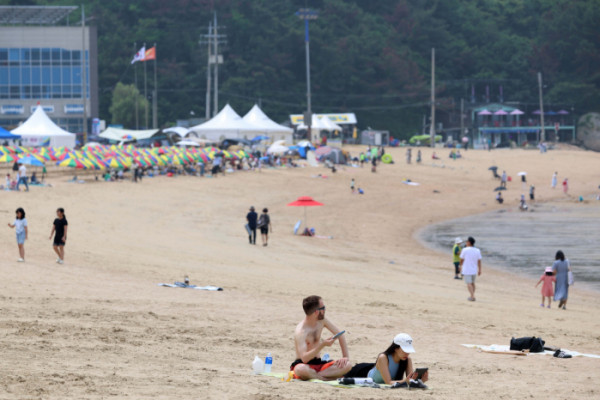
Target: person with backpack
(264, 223)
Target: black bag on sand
(533, 344)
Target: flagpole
(145, 88)
(136, 92)
(216, 93)
(83, 74)
(208, 83)
(155, 97)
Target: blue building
(41, 61)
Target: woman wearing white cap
(394, 364)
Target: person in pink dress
(547, 288)
(566, 186)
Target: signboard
(96, 126)
(12, 109)
(73, 108)
(340, 119)
(35, 141)
(47, 109)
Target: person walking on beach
(554, 180)
(566, 186)
(252, 218)
(362, 159)
(456, 250)
(22, 232)
(547, 289)
(503, 179)
(532, 194)
(408, 155)
(470, 265)
(418, 156)
(352, 186)
(22, 177)
(561, 269)
(59, 227)
(264, 223)
(308, 344)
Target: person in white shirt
(470, 265)
(22, 177)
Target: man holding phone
(308, 342)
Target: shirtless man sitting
(307, 338)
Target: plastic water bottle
(268, 363)
(325, 357)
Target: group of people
(20, 172)
(59, 231)
(255, 222)
(467, 265)
(394, 366)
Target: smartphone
(339, 334)
(421, 372)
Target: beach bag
(571, 277)
(533, 344)
(261, 222)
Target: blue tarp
(4, 134)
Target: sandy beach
(98, 326)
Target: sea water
(527, 241)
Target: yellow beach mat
(285, 377)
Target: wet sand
(526, 242)
(98, 326)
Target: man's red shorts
(316, 368)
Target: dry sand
(98, 326)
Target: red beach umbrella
(305, 201)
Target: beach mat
(334, 383)
(185, 286)
(499, 349)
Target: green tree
(122, 107)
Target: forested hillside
(370, 57)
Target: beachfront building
(41, 62)
(499, 124)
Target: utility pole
(137, 93)
(543, 137)
(432, 127)
(83, 67)
(155, 96)
(307, 14)
(208, 74)
(462, 120)
(145, 91)
(216, 106)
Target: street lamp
(307, 14)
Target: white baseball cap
(405, 342)
(457, 240)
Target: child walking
(352, 186)
(547, 289)
(59, 230)
(22, 232)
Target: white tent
(123, 134)
(39, 130)
(227, 124)
(259, 120)
(316, 124)
(331, 126)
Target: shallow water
(526, 242)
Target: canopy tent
(188, 143)
(179, 130)
(331, 126)
(226, 124)
(516, 112)
(127, 134)
(4, 134)
(484, 112)
(39, 130)
(500, 112)
(316, 124)
(259, 120)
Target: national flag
(140, 55)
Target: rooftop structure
(34, 15)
